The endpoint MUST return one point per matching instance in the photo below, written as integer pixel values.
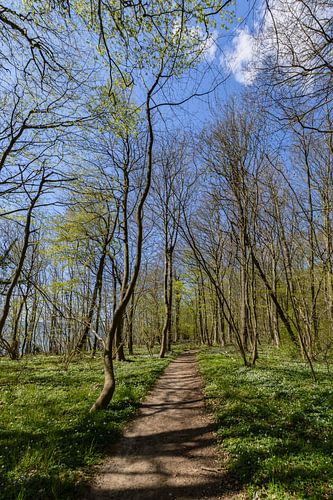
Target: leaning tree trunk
(97, 286)
(19, 267)
(109, 380)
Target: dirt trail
(168, 451)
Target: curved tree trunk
(26, 239)
(109, 381)
(98, 285)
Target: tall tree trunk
(244, 310)
(97, 286)
(204, 310)
(313, 327)
(98, 316)
(118, 341)
(274, 320)
(177, 316)
(130, 317)
(167, 304)
(109, 380)
(253, 317)
(18, 271)
(31, 325)
(14, 352)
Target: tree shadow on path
(169, 451)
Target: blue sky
(232, 47)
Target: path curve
(168, 451)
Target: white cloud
(238, 59)
(195, 35)
(300, 43)
(210, 47)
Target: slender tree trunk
(327, 204)
(167, 304)
(119, 344)
(216, 339)
(199, 309)
(130, 317)
(19, 267)
(15, 343)
(170, 301)
(313, 327)
(30, 325)
(98, 316)
(254, 317)
(109, 381)
(92, 307)
(221, 322)
(244, 312)
(229, 329)
(282, 315)
(274, 320)
(204, 310)
(177, 317)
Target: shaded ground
(275, 423)
(168, 451)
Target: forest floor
(274, 423)
(48, 438)
(168, 451)
(269, 436)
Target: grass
(274, 425)
(48, 439)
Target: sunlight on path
(168, 450)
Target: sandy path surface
(168, 451)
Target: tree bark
(109, 381)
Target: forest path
(168, 451)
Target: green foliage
(274, 425)
(117, 112)
(136, 37)
(47, 437)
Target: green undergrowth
(48, 438)
(274, 425)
